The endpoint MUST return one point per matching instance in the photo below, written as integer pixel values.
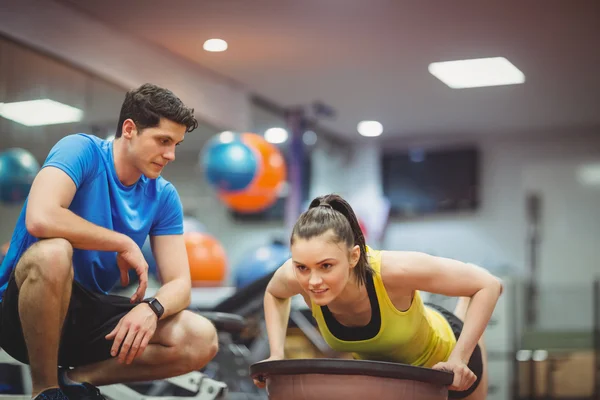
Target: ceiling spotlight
(276, 135)
(215, 45)
(226, 137)
(370, 128)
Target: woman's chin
(321, 299)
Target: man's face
(153, 148)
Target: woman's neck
(350, 299)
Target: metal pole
(296, 123)
(596, 310)
(533, 217)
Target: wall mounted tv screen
(421, 182)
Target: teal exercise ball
(18, 168)
(229, 163)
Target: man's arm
(48, 216)
(172, 265)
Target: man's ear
(129, 129)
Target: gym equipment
(18, 380)
(18, 168)
(248, 303)
(229, 163)
(350, 379)
(221, 379)
(264, 189)
(207, 259)
(226, 377)
(198, 387)
(260, 262)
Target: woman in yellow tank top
(368, 302)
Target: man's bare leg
(44, 276)
(182, 343)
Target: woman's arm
(277, 303)
(420, 271)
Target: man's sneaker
(51, 394)
(83, 391)
(77, 390)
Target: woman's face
(323, 267)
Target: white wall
(495, 235)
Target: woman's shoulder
(396, 266)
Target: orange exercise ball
(264, 189)
(207, 259)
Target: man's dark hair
(149, 103)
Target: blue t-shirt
(148, 207)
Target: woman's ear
(354, 256)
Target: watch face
(155, 304)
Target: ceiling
(368, 58)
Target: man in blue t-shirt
(89, 210)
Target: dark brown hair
(149, 103)
(332, 212)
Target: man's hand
(133, 333)
(464, 378)
(132, 258)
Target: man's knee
(48, 260)
(201, 342)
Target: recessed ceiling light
(215, 45)
(309, 138)
(226, 137)
(370, 128)
(481, 72)
(40, 112)
(276, 135)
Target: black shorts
(90, 318)
(475, 362)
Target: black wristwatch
(155, 306)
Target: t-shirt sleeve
(76, 156)
(169, 219)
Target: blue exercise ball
(260, 262)
(18, 168)
(191, 224)
(229, 164)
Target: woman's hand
(464, 378)
(261, 381)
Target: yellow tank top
(419, 336)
